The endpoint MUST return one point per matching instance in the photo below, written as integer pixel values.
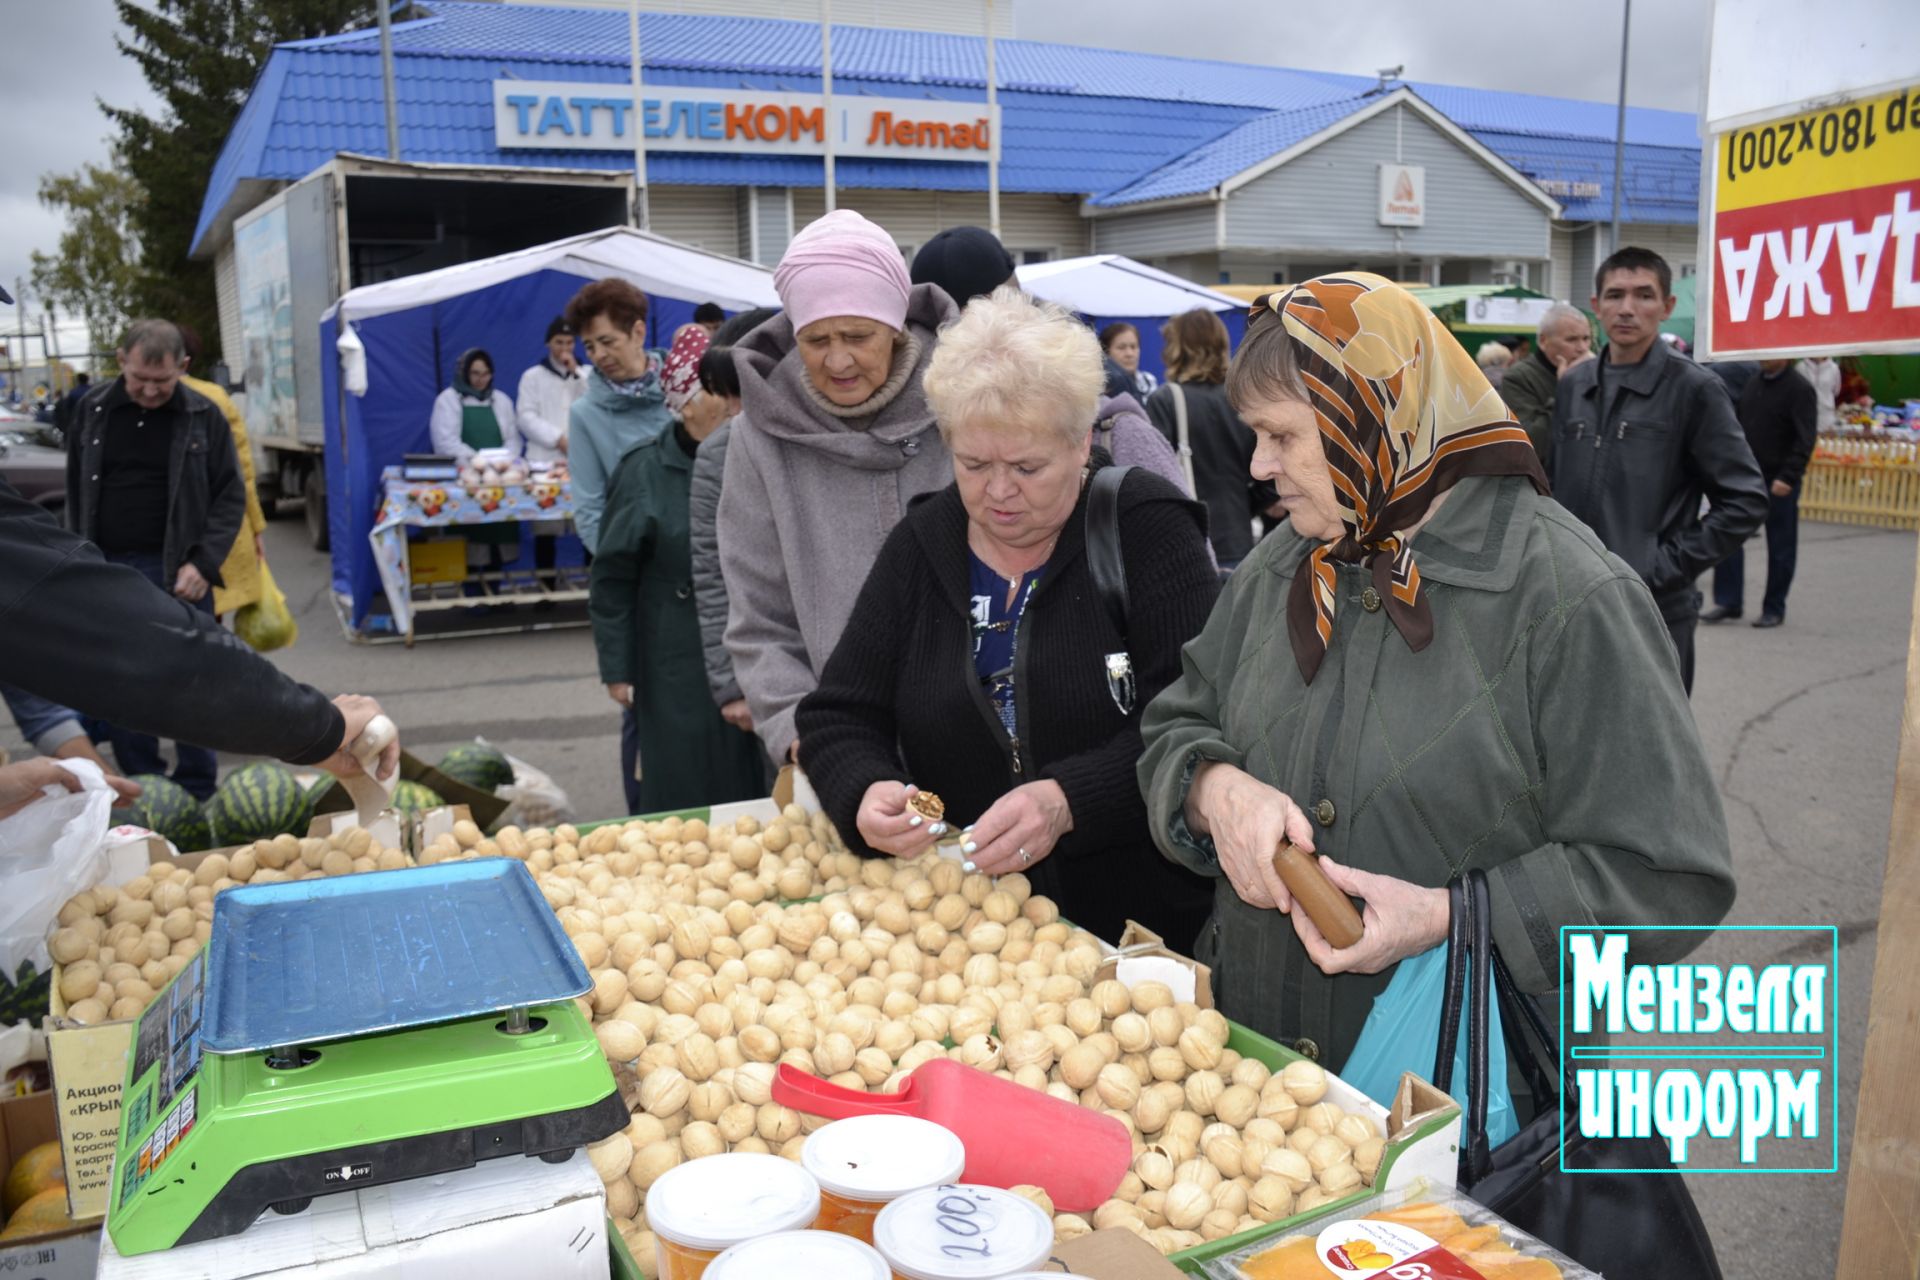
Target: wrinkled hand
(1032, 817)
(887, 825)
(1780, 488)
(189, 585)
(22, 783)
(622, 694)
(359, 712)
(1247, 820)
(1561, 364)
(736, 714)
(1400, 920)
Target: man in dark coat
(153, 480)
(1780, 415)
(1640, 436)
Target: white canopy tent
(659, 266)
(1110, 284)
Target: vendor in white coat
(547, 393)
(473, 414)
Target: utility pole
(641, 215)
(993, 123)
(1620, 127)
(826, 94)
(386, 75)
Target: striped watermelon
(166, 807)
(412, 797)
(258, 802)
(478, 765)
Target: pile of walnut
(707, 976)
(117, 946)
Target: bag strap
(1476, 1152)
(1456, 985)
(1103, 543)
(1183, 438)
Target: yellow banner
(1867, 143)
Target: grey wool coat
(1543, 736)
(806, 501)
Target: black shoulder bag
(1620, 1224)
(1109, 572)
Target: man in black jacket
(99, 638)
(1640, 435)
(1780, 415)
(154, 482)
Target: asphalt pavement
(1801, 724)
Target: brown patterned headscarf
(1403, 413)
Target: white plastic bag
(536, 800)
(49, 851)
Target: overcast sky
(60, 58)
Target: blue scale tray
(325, 959)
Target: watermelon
(478, 765)
(165, 807)
(412, 797)
(258, 802)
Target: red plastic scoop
(1014, 1135)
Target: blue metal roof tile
(1134, 126)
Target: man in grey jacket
(1640, 436)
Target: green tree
(201, 57)
(94, 275)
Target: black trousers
(1682, 632)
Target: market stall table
(443, 504)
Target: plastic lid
(962, 1232)
(718, 1201)
(800, 1255)
(881, 1158)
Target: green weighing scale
(345, 1032)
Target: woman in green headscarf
(473, 413)
(1430, 668)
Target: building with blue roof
(514, 130)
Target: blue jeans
(47, 725)
(197, 769)
(1783, 552)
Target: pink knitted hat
(843, 265)
(681, 376)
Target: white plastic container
(963, 1232)
(800, 1255)
(865, 1163)
(700, 1209)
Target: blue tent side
(410, 358)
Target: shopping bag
(268, 624)
(49, 851)
(1402, 1033)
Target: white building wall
(705, 217)
(226, 292)
(1030, 225)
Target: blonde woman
(1493, 359)
(975, 664)
(1192, 411)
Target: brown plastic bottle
(1329, 909)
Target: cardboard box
(485, 806)
(1143, 955)
(515, 1216)
(67, 1254)
(1114, 1254)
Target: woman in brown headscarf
(1431, 668)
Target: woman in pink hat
(676, 750)
(834, 439)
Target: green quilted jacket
(1543, 736)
